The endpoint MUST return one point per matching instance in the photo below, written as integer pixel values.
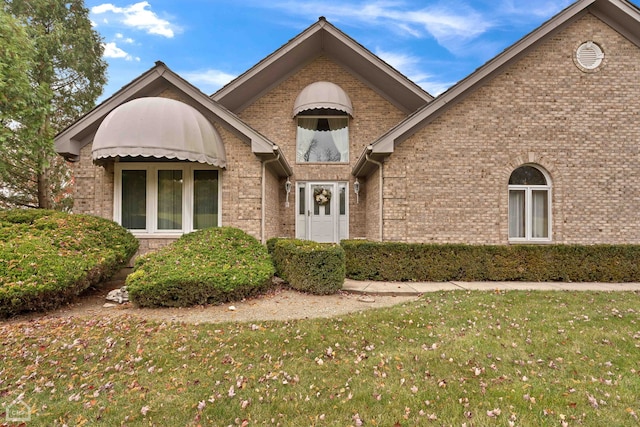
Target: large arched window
(322, 111)
(529, 205)
(322, 138)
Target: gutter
(263, 201)
(380, 189)
(361, 162)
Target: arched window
(529, 205)
(322, 138)
(322, 111)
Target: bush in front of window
(210, 266)
(414, 262)
(48, 257)
(307, 266)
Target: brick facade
(271, 115)
(242, 188)
(581, 127)
(448, 181)
(93, 190)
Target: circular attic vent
(589, 55)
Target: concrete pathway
(417, 288)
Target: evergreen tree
(67, 70)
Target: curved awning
(322, 95)
(160, 128)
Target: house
(322, 140)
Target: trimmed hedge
(317, 268)
(214, 265)
(531, 263)
(271, 248)
(48, 257)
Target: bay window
(166, 198)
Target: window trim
(152, 168)
(528, 203)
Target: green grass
(484, 359)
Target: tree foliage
(63, 60)
(22, 105)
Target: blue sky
(209, 42)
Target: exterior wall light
(356, 189)
(287, 188)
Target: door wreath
(322, 196)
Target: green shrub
(308, 266)
(271, 248)
(47, 257)
(215, 265)
(531, 263)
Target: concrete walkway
(417, 288)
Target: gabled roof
(70, 141)
(621, 15)
(322, 38)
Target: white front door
(322, 212)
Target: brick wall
(241, 186)
(271, 115)
(371, 202)
(582, 128)
(93, 190)
(275, 220)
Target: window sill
(530, 242)
(323, 163)
(144, 235)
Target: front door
(322, 212)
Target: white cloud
(446, 24)
(449, 23)
(111, 50)
(541, 9)
(399, 61)
(410, 66)
(208, 80)
(140, 16)
(124, 39)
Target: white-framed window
(529, 205)
(166, 198)
(322, 139)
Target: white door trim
(306, 208)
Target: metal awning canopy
(160, 128)
(320, 95)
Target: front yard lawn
(452, 358)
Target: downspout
(380, 182)
(264, 194)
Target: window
(166, 198)
(529, 205)
(323, 139)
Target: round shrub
(214, 265)
(48, 257)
